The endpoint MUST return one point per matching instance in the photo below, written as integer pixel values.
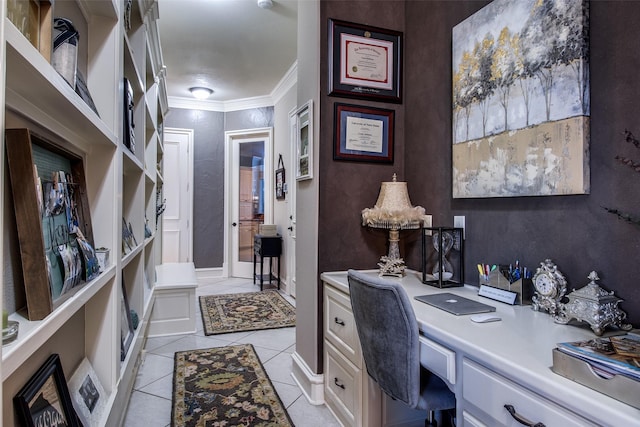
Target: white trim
(205, 275)
(265, 133)
(189, 133)
(289, 79)
(311, 384)
(287, 82)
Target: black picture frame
(128, 121)
(365, 62)
(126, 324)
(281, 181)
(46, 395)
(363, 133)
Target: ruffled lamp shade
(393, 211)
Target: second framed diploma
(365, 62)
(363, 133)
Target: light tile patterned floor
(150, 403)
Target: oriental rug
(224, 386)
(249, 311)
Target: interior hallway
(150, 403)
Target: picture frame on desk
(363, 133)
(365, 62)
(45, 398)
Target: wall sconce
(393, 211)
(200, 92)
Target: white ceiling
(233, 47)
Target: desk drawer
(340, 326)
(489, 392)
(438, 359)
(342, 386)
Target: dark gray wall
(208, 170)
(208, 182)
(574, 231)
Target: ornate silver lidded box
(593, 305)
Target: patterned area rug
(249, 311)
(224, 386)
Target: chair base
(447, 418)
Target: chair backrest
(388, 333)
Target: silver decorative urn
(593, 305)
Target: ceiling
(233, 47)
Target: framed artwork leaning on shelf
(126, 324)
(87, 394)
(44, 399)
(51, 212)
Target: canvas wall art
(521, 100)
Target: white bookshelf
(119, 184)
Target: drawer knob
(339, 321)
(338, 383)
(519, 418)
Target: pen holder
(497, 279)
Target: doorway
(248, 199)
(177, 188)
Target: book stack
(609, 365)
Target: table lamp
(393, 212)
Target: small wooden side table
(266, 247)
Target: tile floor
(150, 404)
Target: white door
(177, 190)
(248, 195)
(291, 196)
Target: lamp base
(391, 266)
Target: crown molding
(289, 79)
(287, 82)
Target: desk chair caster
(444, 418)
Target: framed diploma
(363, 133)
(365, 62)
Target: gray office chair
(388, 333)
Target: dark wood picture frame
(356, 73)
(363, 133)
(46, 394)
(126, 324)
(20, 159)
(280, 180)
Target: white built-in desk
(489, 365)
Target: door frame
(230, 137)
(291, 195)
(189, 134)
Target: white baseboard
(311, 384)
(206, 275)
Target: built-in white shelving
(120, 185)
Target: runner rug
(249, 311)
(224, 386)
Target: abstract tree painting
(521, 100)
